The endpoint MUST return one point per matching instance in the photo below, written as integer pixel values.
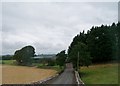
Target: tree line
(99, 44)
(25, 56)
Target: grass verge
(100, 74)
(56, 67)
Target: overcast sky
(48, 26)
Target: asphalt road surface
(67, 77)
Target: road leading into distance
(67, 77)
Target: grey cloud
(10, 48)
(119, 11)
(50, 27)
(46, 48)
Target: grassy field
(100, 74)
(22, 74)
(8, 62)
(0, 75)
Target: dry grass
(24, 75)
(100, 66)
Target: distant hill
(6, 57)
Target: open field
(38, 65)
(0, 75)
(100, 74)
(8, 62)
(23, 75)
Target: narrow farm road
(67, 77)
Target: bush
(6, 57)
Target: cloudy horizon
(49, 26)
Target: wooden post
(78, 62)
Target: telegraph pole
(116, 47)
(78, 62)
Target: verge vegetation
(100, 74)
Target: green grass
(56, 67)
(8, 62)
(0, 61)
(100, 74)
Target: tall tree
(61, 57)
(24, 55)
(80, 55)
(118, 41)
(102, 42)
